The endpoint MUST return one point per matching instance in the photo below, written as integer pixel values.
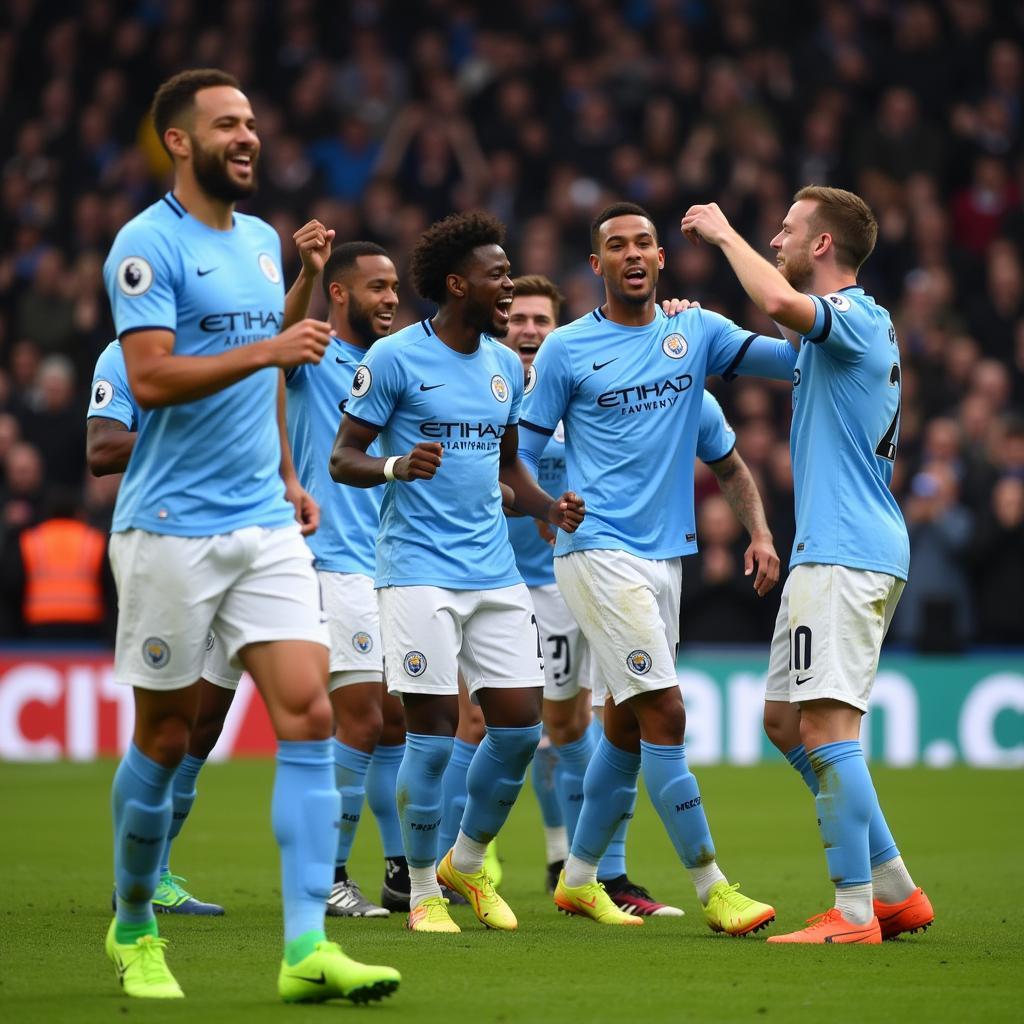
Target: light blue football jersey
(449, 531)
(846, 419)
(111, 397)
(211, 466)
(630, 399)
(349, 516)
(534, 555)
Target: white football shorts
(829, 633)
(431, 634)
(566, 652)
(350, 604)
(628, 609)
(249, 586)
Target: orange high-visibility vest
(62, 559)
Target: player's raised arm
(765, 285)
(313, 241)
(351, 465)
(158, 377)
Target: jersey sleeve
(764, 357)
(840, 326)
(141, 281)
(726, 342)
(715, 438)
(549, 387)
(517, 385)
(111, 398)
(531, 445)
(296, 376)
(377, 387)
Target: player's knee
(362, 731)
(205, 735)
(562, 725)
(165, 741)
(781, 727)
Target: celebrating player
(448, 394)
(112, 428)
(626, 382)
(203, 535)
(361, 287)
(851, 552)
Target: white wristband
(389, 467)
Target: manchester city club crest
(639, 663)
(155, 652)
(674, 346)
(415, 663)
(499, 388)
(362, 642)
(269, 268)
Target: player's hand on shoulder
(705, 222)
(304, 342)
(673, 306)
(313, 241)
(421, 463)
(762, 553)
(567, 512)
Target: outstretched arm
(767, 288)
(737, 483)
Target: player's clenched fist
(421, 463)
(567, 512)
(304, 342)
(705, 222)
(313, 241)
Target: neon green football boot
(478, 888)
(141, 967)
(728, 910)
(492, 863)
(327, 973)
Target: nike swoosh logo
(313, 981)
(800, 682)
(430, 387)
(601, 366)
(588, 903)
(203, 273)
(338, 359)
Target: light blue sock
(183, 796)
(573, 759)
(544, 774)
(381, 783)
(880, 841)
(350, 768)
(845, 802)
(595, 731)
(613, 863)
(419, 795)
(141, 802)
(609, 794)
(676, 798)
(495, 779)
(304, 812)
(454, 795)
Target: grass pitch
(961, 831)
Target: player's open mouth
(636, 274)
(528, 348)
(384, 316)
(242, 161)
(503, 307)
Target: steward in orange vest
(62, 560)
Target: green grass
(962, 832)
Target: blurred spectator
(935, 612)
(997, 560)
(54, 424)
(23, 489)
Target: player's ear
(338, 292)
(178, 142)
(456, 285)
(595, 264)
(822, 244)
(661, 258)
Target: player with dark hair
(448, 394)
(361, 287)
(626, 382)
(851, 551)
(204, 538)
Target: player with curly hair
(447, 393)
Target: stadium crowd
(376, 118)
